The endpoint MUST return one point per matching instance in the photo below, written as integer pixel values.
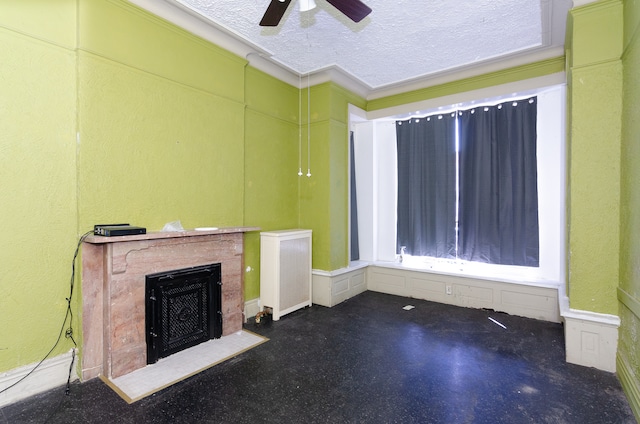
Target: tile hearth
(179, 366)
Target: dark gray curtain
(355, 245)
(427, 186)
(498, 211)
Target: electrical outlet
(449, 291)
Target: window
(467, 184)
(377, 182)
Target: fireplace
(114, 271)
(182, 309)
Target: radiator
(285, 271)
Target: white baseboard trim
(332, 287)
(591, 338)
(531, 300)
(251, 308)
(50, 374)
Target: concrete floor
(368, 360)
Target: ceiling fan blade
(353, 9)
(274, 12)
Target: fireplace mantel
(113, 283)
(168, 234)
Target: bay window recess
(478, 184)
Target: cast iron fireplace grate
(183, 309)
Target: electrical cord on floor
(68, 317)
(67, 389)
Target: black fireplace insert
(183, 309)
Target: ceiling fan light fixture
(353, 9)
(307, 5)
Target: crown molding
(261, 59)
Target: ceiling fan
(353, 9)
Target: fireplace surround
(114, 271)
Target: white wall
(365, 144)
(551, 182)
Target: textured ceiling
(400, 42)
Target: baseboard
(332, 287)
(328, 287)
(630, 385)
(251, 308)
(591, 338)
(531, 300)
(50, 374)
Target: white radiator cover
(285, 271)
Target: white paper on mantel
(172, 226)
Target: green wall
(629, 290)
(270, 165)
(110, 114)
(37, 175)
(324, 196)
(594, 73)
(159, 139)
(503, 76)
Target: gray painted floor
(368, 360)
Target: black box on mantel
(118, 230)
